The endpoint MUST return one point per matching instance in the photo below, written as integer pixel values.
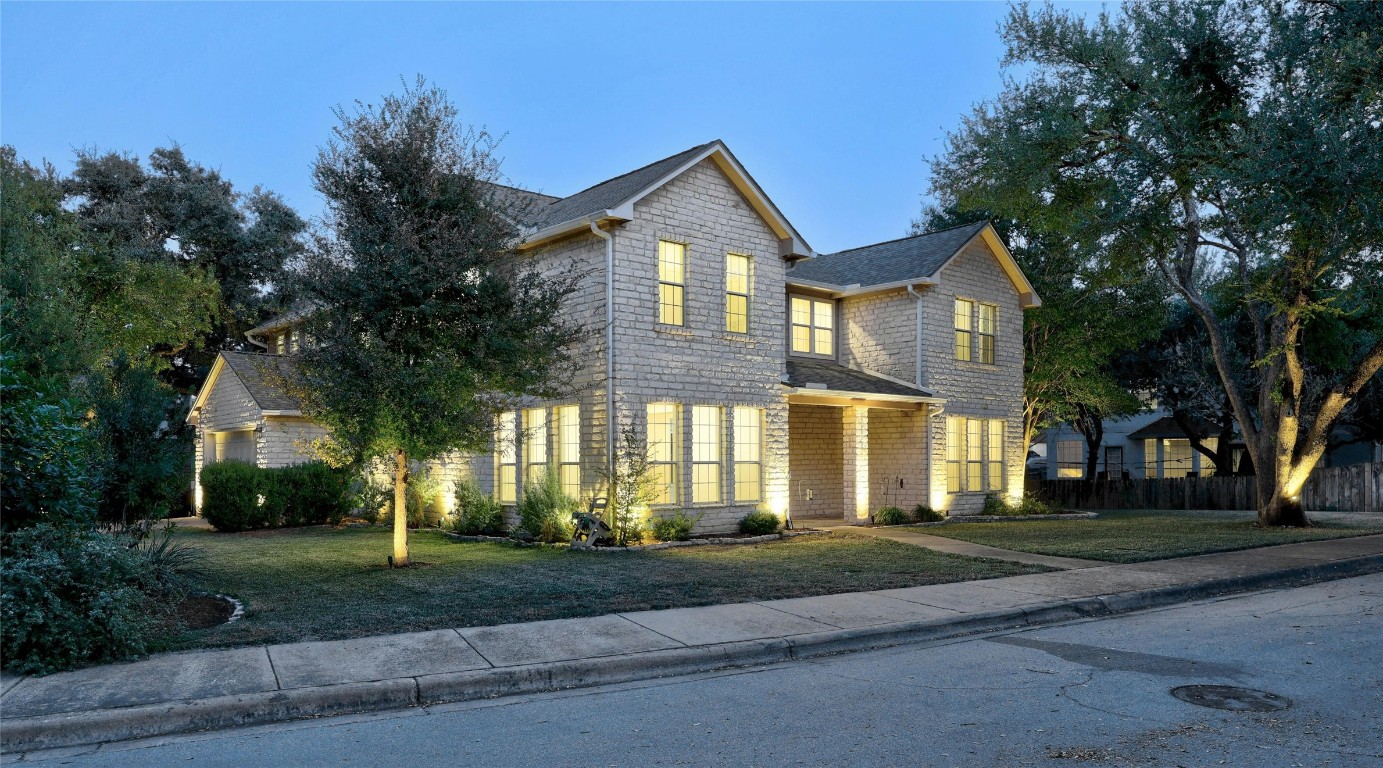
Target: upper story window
(965, 324)
(736, 293)
(813, 326)
(989, 315)
(672, 282)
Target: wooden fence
(1355, 488)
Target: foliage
(231, 492)
(634, 484)
(424, 320)
(997, 504)
(678, 527)
(175, 567)
(238, 496)
(74, 597)
(925, 514)
(760, 523)
(424, 497)
(371, 499)
(890, 516)
(1201, 139)
(545, 511)
(311, 493)
(477, 513)
(45, 466)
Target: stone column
(855, 463)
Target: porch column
(855, 463)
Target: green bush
(370, 499)
(760, 523)
(46, 472)
(675, 528)
(231, 492)
(545, 511)
(74, 597)
(477, 513)
(310, 494)
(994, 504)
(890, 516)
(1031, 505)
(925, 514)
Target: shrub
(74, 597)
(371, 499)
(890, 516)
(925, 514)
(422, 494)
(1031, 505)
(675, 528)
(760, 523)
(545, 511)
(231, 493)
(310, 494)
(994, 504)
(46, 474)
(477, 514)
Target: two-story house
(764, 376)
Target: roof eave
(808, 390)
(609, 216)
(856, 289)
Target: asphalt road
(1091, 693)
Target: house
(764, 375)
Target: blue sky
(833, 108)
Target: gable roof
(254, 371)
(918, 259)
(611, 193)
(827, 376)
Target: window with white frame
(665, 450)
(569, 449)
(737, 293)
(506, 457)
(813, 326)
(955, 454)
(748, 453)
(989, 318)
(672, 282)
(534, 445)
(995, 450)
(1070, 458)
(964, 321)
(706, 454)
(974, 454)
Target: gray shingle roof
(612, 192)
(910, 258)
(254, 371)
(802, 373)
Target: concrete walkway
(954, 546)
(204, 690)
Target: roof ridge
(908, 237)
(640, 168)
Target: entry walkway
(954, 546)
(205, 690)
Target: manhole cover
(1231, 698)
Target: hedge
(237, 496)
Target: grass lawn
(326, 584)
(1122, 536)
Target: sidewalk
(206, 690)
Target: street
(1093, 693)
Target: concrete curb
(82, 728)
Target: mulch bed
(205, 611)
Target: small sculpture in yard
(590, 526)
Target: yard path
(953, 546)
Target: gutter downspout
(932, 409)
(610, 423)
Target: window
(1114, 461)
(736, 293)
(706, 436)
(965, 310)
(506, 457)
(974, 454)
(995, 450)
(534, 445)
(1176, 458)
(1070, 458)
(813, 324)
(672, 281)
(569, 449)
(233, 446)
(281, 344)
(1211, 444)
(664, 450)
(955, 451)
(988, 317)
(748, 446)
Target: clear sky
(833, 108)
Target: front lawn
(326, 584)
(1134, 536)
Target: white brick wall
(879, 333)
(815, 461)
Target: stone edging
(637, 547)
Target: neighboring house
(763, 375)
(1145, 445)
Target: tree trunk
(400, 509)
(1090, 424)
(1279, 505)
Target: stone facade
(879, 333)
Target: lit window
(965, 310)
(706, 437)
(1176, 458)
(748, 453)
(988, 317)
(672, 281)
(995, 449)
(1070, 458)
(974, 454)
(506, 457)
(813, 326)
(534, 445)
(664, 450)
(569, 449)
(955, 454)
(736, 293)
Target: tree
(1229, 135)
(426, 321)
